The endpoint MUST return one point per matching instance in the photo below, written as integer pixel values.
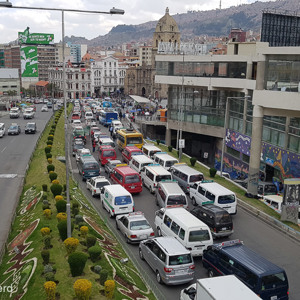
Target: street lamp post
(113, 11)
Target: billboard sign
(29, 61)
(35, 38)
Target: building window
(233, 152)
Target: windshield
(226, 199)
(163, 177)
(78, 146)
(170, 163)
(132, 178)
(195, 178)
(175, 260)
(79, 132)
(274, 281)
(223, 218)
(199, 235)
(139, 225)
(177, 200)
(123, 200)
(91, 166)
(108, 153)
(135, 140)
(101, 184)
(13, 127)
(30, 126)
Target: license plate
(123, 207)
(181, 272)
(224, 228)
(132, 187)
(143, 236)
(273, 298)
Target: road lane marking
(8, 175)
(3, 149)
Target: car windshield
(170, 163)
(223, 218)
(195, 178)
(273, 281)
(163, 177)
(108, 153)
(175, 260)
(176, 200)
(13, 127)
(199, 235)
(79, 132)
(78, 146)
(100, 184)
(132, 178)
(226, 199)
(135, 140)
(91, 166)
(123, 200)
(139, 225)
(30, 126)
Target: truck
(28, 113)
(218, 288)
(14, 113)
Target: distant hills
(195, 23)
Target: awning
(139, 99)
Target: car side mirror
(142, 170)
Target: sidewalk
(3, 113)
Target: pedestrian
(120, 115)
(94, 145)
(111, 130)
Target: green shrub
(45, 256)
(97, 269)
(65, 187)
(75, 208)
(193, 161)
(78, 219)
(103, 276)
(212, 172)
(95, 253)
(50, 143)
(45, 206)
(56, 189)
(90, 241)
(50, 167)
(49, 276)
(170, 148)
(45, 187)
(47, 242)
(62, 229)
(48, 149)
(52, 176)
(50, 138)
(61, 206)
(45, 197)
(53, 126)
(46, 202)
(48, 269)
(48, 155)
(157, 142)
(77, 261)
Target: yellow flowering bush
(71, 244)
(49, 160)
(45, 231)
(109, 288)
(51, 172)
(61, 216)
(55, 181)
(84, 230)
(58, 198)
(83, 289)
(50, 288)
(47, 213)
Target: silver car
(169, 259)
(134, 226)
(110, 165)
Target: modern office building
(9, 84)
(259, 86)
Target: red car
(106, 153)
(128, 151)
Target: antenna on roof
(220, 5)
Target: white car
(76, 123)
(82, 152)
(95, 184)
(44, 108)
(135, 227)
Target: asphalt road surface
(15, 152)
(255, 234)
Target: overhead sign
(35, 38)
(29, 61)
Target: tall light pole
(113, 11)
(180, 146)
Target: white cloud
(89, 25)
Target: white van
(192, 233)
(116, 200)
(209, 191)
(88, 115)
(150, 150)
(139, 161)
(152, 174)
(105, 141)
(2, 129)
(169, 193)
(165, 160)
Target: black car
(30, 127)
(216, 218)
(14, 128)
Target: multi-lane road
(255, 234)
(15, 152)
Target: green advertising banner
(29, 61)
(35, 38)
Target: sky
(13, 20)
